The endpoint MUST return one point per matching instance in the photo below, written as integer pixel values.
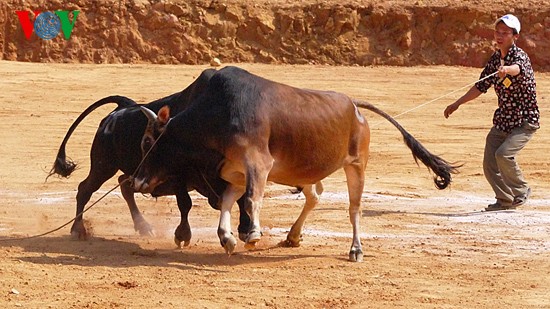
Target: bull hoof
(250, 245)
(290, 243)
(182, 234)
(243, 236)
(79, 235)
(178, 242)
(253, 237)
(79, 232)
(356, 255)
(229, 245)
(293, 241)
(144, 228)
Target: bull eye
(147, 144)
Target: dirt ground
(424, 248)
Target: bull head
(155, 126)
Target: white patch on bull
(359, 115)
(109, 125)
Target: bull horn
(148, 113)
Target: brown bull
(252, 130)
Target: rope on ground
(87, 208)
(64, 225)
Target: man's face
(504, 36)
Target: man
(514, 121)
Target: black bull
(252, 130)
(117, 146)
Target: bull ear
(164, 115)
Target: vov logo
(47, 25)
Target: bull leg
(256, 179)
(355, 180)
(140, 224)
(229, 197)
(183, 231)
(244, 220)
(85, 190)
(78, 230)
(294, 237)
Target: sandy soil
(424, 248)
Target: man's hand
(502, 72)
(451, 109)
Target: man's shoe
(521, 199)
(498, 206)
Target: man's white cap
(510, 21)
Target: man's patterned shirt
(517, 97)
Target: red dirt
(352, 32)
(423, 248)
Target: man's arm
(468, 96)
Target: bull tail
(63, 166)
(441, 168)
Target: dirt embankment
(338, 33)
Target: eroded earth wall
(294, 32)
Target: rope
(149, 151)
(438, 98)
(160, 135)
(102, 197)
(73, 219)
